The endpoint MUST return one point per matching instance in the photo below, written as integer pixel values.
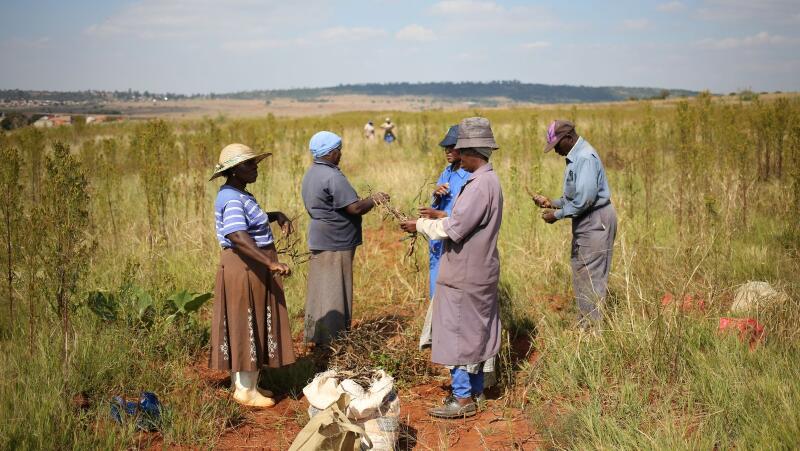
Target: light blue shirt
(585, 182)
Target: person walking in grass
(465, 309)
(334, 232)
(369, 131)
(587, 201)
(389, 135)
(250, 325)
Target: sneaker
(453, 409)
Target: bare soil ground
(498, 427)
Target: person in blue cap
(334, 232)
(448, 186)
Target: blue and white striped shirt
(238, 210)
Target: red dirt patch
(498, 427)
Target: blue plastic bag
(146, 412)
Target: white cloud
(671, 7)
(415, 32)
(465, 7)
(764, 11)
(157, 19)
(759, 39)
(636, 24)
(536, 45)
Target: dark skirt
(329, 298)
(250, 325)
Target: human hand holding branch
(549, 216)
(286, 225)
(409, 225)
(442, 190)
(542, 201)
(431, 213)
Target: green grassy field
(708, 197)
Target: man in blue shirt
(447, 188)
(587, 201)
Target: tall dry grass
(702, 209)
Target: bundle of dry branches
(390, 211)
(378, 343)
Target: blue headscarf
(323, 143)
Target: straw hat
(234, 154)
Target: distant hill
(511, 90)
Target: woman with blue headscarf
(334, 232)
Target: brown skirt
(250, 325)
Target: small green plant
(185, 302)
(103, 304)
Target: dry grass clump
(382, 342)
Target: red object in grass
(689, 303)
(749, 329)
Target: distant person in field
(333, 235)
(587, 201)
(388, 131)
(369, 131)
(250, 325)
(465, 319)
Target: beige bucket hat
(234, 154)
(475, 132)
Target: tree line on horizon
(510, 89)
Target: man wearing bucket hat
(587, 201)
(250, 324)
(334, 232)
(465, 323)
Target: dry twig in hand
(390, 210)
(289, 245)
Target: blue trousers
(466, 384)
(434, 274)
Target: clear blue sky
(200, 46)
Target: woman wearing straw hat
(250, 326)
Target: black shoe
(453, 409)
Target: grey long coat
(466, 317)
